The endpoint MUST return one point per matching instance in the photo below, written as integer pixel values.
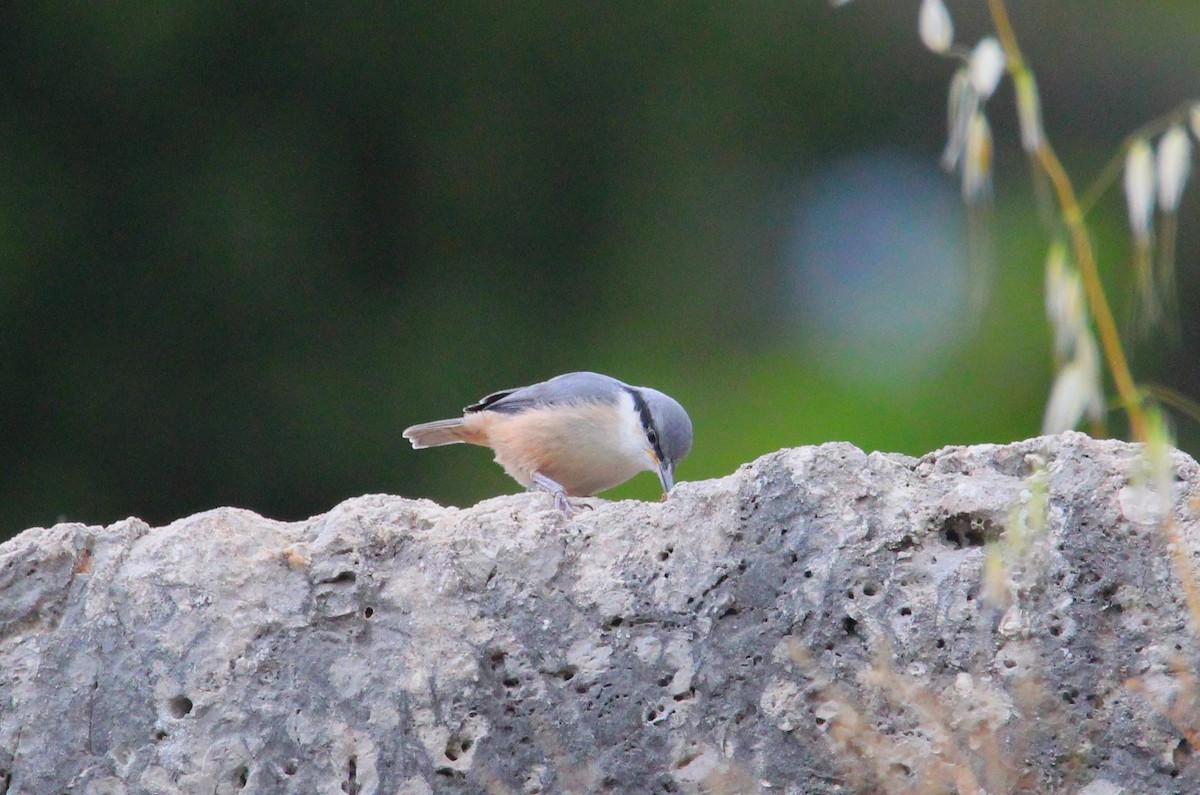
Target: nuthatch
(574, 435)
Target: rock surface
(999, 618)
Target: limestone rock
(1003, 618)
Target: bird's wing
(568, 388)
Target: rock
(990, 618)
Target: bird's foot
(555, 490)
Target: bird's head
(668, 432)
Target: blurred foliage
(242, 246)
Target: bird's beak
(666, 475)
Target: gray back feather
(568, 388)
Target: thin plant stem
(1081, 243)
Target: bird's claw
(553, 488)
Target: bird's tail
(438, 433)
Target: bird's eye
(652, 436)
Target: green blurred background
(245, 244)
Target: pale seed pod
(1076, 390)
(987, 66)
(1194, 119)
(1139, 188)
(1173, 162)
(960, 108)
(977, 159)
(1056, 269)
(1065, 306)
(1029, 112)
(935, 26)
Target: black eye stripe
(643, 411)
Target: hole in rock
(964, 530)
(457, 746)
(342, 578)
(684, 760)
(179, 706)
(1182, 754)
(241, 775)
(350, 785)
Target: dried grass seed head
(987, 66)
(1139, 188)
(1173, 163)
(935, 26)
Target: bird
(573, 435)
